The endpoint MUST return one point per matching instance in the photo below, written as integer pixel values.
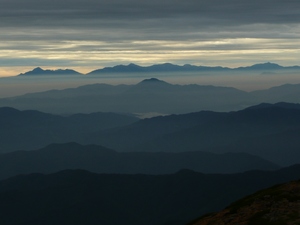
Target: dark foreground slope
(273, 206)
(80, 197)
(56, 157)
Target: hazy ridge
(215, 130)
(149, 96)
(165, 67)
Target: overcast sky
(91, 34)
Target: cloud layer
(95, 33)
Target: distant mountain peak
(263, 66)
(167, 64)
(268, 64)
(40, 71)
(132, 64)
(153, 81)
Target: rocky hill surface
(278, 205)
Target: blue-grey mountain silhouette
(169, 67)
(149, 96)
(80, 197)
(40, 71)
(144, 97)
(27, 130)
(265, 130)
(56, 157)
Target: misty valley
(150, 153)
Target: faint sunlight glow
(98, 54)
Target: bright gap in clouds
(88, 55)
(92, 34)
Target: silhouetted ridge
(152, 81)
(262, 66)
(56, 157)
(284, 105)
(37, 70)
(40, 71)
(79, 197)
(119, 69)
(8, 111)
(34, 129)
(288, 105)
(169, 67)
(145, 97)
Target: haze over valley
(249, 78)
(172, 135)
(140, 112)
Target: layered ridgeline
(57, 157)
(149, 96)
(165, 67)
(39, 71)
(80, 197)
(30, 129)
(266, 130)
(276, 205)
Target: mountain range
(40, 71)
(30, 129)
(269, 131)
(168, 67)
(165, 67)
(57, 157)
(84, 155)
(149, 95)
(80, 197)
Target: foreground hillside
(80, 197)
(273, 206)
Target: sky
(91, 34)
